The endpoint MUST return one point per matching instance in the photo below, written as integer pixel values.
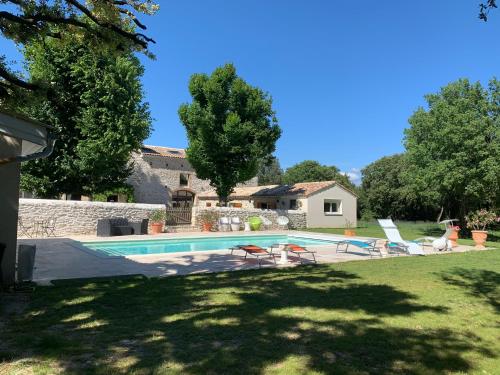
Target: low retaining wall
(297, 218)
(80, 217)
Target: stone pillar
(9, 203)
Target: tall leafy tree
(310, 170)
(485, 7)
(96, 107)
(385, 192)
(100, 22)
(231, 128)
(270, 172)
(453, 148)
(382, 186)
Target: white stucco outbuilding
(327, 204)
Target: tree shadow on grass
(478, 283)
(310, 318)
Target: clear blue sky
(344, 75)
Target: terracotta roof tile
(164, 151)
(304, 189)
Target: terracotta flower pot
(349, 232)
(454, 237)
(479, 237)
(156, 228)
(206, 227)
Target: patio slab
(63, 258)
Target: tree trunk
(223, 201)
(440, 214)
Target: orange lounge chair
(255, 251)
(298, 250)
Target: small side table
(283, 256)
(283, 253)
(38, 228)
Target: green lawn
(410, 231)
(405, 315)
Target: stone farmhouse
(160, 175)
(163, 175)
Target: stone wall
(297, 218)
(155, 178)
(80, 217)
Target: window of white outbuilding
(332, 207)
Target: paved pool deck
(64, 257)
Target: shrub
(367, 215)
(480, 219)
(208, 217)
(157, 216)
(126, 190)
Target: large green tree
(96, 107)
(385, 193)
(231, 128)
(310, 170)
(453, 148)
(113, 24)
(382, 186)
(270, 172)
(484, 8)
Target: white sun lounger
(392, 233)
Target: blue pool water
(140, 247)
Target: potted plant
(255, 222)
(477, 222)
(349, 230)
(453, 237)
(157, 219)
(208, 219)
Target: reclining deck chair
(369, 245)
(298, 250)
(254, 251)
(395, 240)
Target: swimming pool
(178, 245)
